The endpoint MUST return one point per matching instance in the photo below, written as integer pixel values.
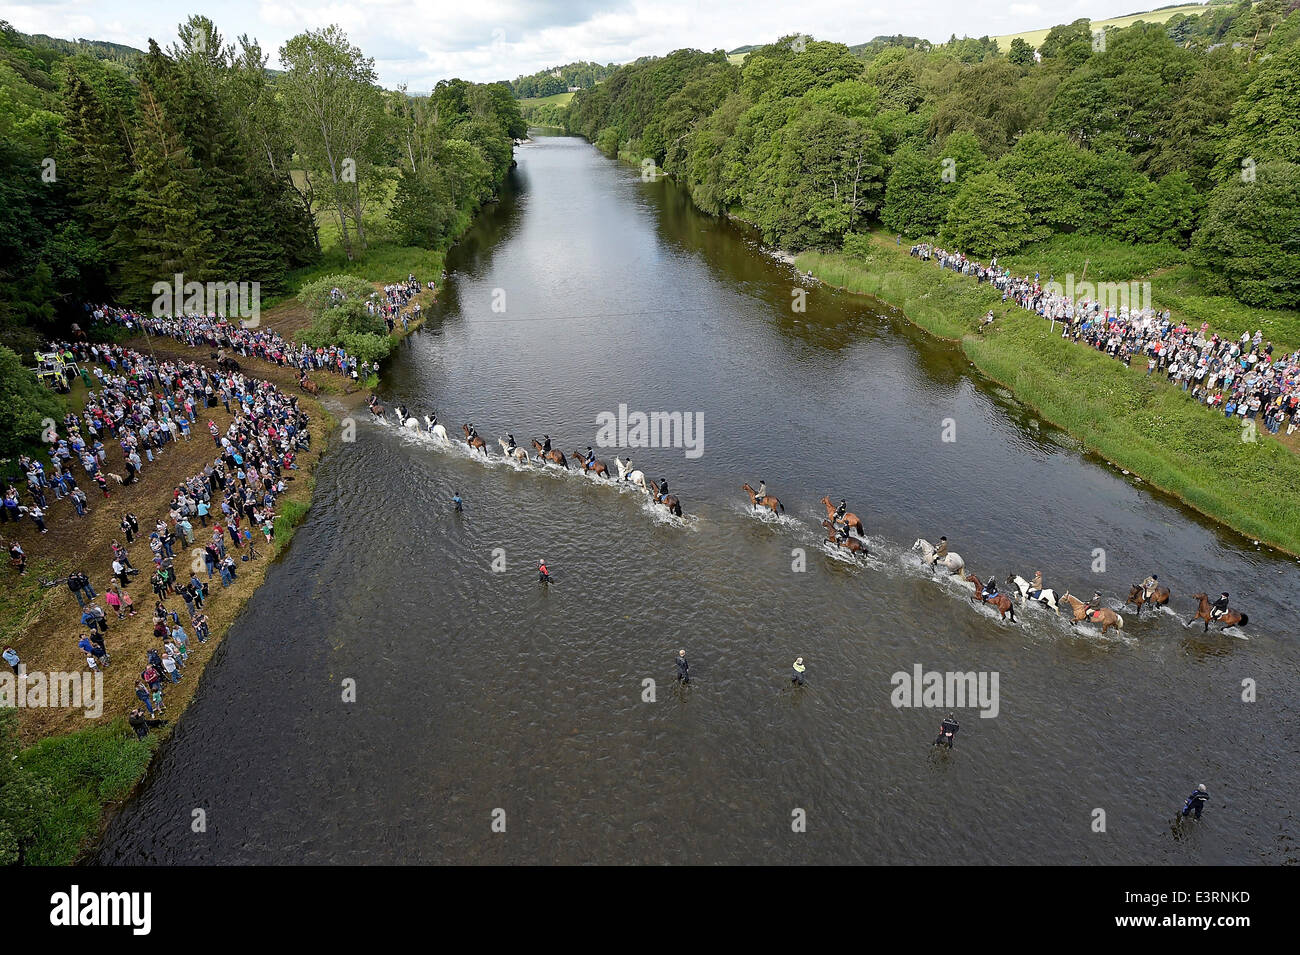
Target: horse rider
(1219, 607)
(546, 444)
(473, 432)
(1036, 587)
(590, 459)
(401, 409)
(627, 469)
(1149, 586)
(1092, 605)
(990, 589)
(940, 552)
(510, 443)
(761, 492)
(433, 421)
(840, 510)
(663, 487)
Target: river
(478, 689)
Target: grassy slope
(555, 99)
(1036, 37)
(1141, 424)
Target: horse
(555, 457)
(377, 409)
(1102, 615)
(850, 521)
(1139, 597)
(1205, 611)
(1045, 596)
(228, 364)
(474, 442)
(852, 544)
(953, 562)
(597, 468)
(437, 430)
(999, 601)
(768, 501)
(309, 386)
(636, 476)
(412, 423)
(519, 454)
(667, 500)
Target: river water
(478, 689)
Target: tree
(916, 203)
(1021, 53)
(335, 112)
(24, 404)
(1250, 238)
(987, 217)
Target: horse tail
(1244, 620)
(780, 505)
(677, 509)
(1120, 621)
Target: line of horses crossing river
(845, 537)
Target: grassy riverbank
(1141, 424)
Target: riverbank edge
(998, 357)
(909, 299)
(350, 400)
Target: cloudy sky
(418, 42)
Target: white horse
(952, 563)
(411, 423)
(636, 477)
(519, 454)
(1045, 596)
(437, 430)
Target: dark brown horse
(850, 521)
(555, 457)
(474, 442)
(307, 385)
(852, 544)
(597, 468)
(1138, 597)
(767, 500)
(377, 409)
(669, 501)
(1000, 601)
(1204, 611)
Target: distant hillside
(1035, 37)
(100, 49)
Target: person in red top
(543, 574)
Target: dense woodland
(120, 168)
(547, 83)
(1186, 133)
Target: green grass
(83, 772)
(1141, 424)
(1092, 258)
(22, 598)
(555, 99)
(292, 513)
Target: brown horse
(1205, 612)
(1138, 596)
(1102, 615)
(597, 468)
(377, 410)
(474, 442)
(853, 545)
(767, 500)
(309, 386)
(851, 521)
(999, 602)
(667, 500)
(555, 457)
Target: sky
(419, 42)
